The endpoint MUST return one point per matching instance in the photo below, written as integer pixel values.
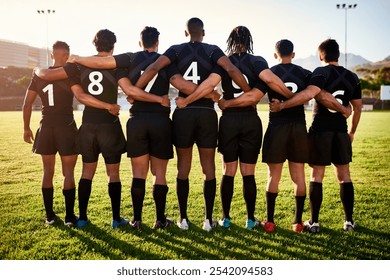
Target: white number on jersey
(50, 95)
(335, 94)
(292, 86)
(151, 83)
(95, 87)
(193, 68)
(237, 94)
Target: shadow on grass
(236, 243)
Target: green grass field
(24, 236)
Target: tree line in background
(14, 82)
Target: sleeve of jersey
(122, 60)
(73, 72)
(121, 73)
(218, 70)
(318, 78)
(262, 86)
(358, 89)
(217, 54)
(33, 84)
(171, 70)
(171, 54)
(259, 64)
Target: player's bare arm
(298, 99)
(136, 93)
(91, 101)
(249, 98)
(275, 83)
(234, 73)
(96, 62)
(152, 70)
(29, 99)
(329, 101)
(51, 74)
(357, 105)
(203, 90)
(188, 87)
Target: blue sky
(305, 22)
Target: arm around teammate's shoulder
(234, 73)
(152, 70)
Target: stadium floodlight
(47, 12)
(346, 8)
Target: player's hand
(114, 109)
(214, 96)
(347, 111)
(72, 58)
(222, 104)
(180, 102)
(351, 136)
(130, 100)
(28, 136)
(165, 101)
(275, 105)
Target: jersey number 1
(50, 94)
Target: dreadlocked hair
(240, 40)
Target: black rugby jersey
(250, 66)
(296, 79)
(195, 61)
(132, 65)
(344, 85)
(101, 84)
(56, 98)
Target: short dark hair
(195, 25)
(104, 40)
(59, 45)
(329, 49)
(149, 36)
(284, 48)
(240, 39)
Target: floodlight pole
(47, 13)
(346, 7)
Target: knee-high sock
(160, 199)
(315, 193)
(47, 194)
(209, 190)
(182, 190)
(270, 200)
(250, 194)
(137, 197)
(84, 192)
(347, 197)
(115, 191)
(70, 197)
(226, 191)
(299, 206)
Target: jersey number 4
(191, 73)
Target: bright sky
(305, 22)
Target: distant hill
(313, 61)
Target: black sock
(347, 197)
(70, 196)
(209, 190)
(270, 199)
(84, 192)
(315, 194)
(160, 199)
(299, 206)
(115, 191)
(137, 197)
(182, 190)
(48, 194)
(226, 191)
(250, 193)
